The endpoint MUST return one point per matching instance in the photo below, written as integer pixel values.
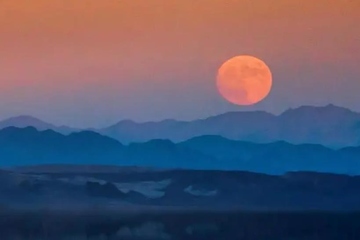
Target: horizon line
(172, 119)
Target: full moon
(244, 80)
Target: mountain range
(28, 146)
(29, 121)
(329, 125)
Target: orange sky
(95, 62)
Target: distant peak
(330, 105)
(23, 118)
(126, 122)
(241, 114)
(327, 108)
(25, 121)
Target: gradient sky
(93, 63)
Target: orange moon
(244, 80)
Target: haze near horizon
(95, 63)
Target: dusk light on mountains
(177, 120)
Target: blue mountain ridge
(28, 146)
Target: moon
(244, 80)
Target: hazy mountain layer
(329, 125)
(28, 146)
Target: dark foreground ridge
(138, 189)
(62, 202)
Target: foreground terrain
(107, 187)
(63, 202)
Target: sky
(91, 63)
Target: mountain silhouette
(234, 125)
(29, 121)
(328, 125)
(28, 146)
(276, 157)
